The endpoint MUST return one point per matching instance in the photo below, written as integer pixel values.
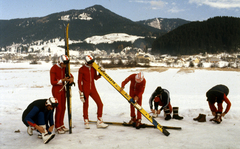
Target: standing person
(137, 87)
(39, 115)
(58, 80)
(218, 94)
(162, 97)
(86, 76)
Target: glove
(82, 96)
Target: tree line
(218, 34)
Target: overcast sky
(135, 10)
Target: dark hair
(159, 90)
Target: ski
(143, 125)
(130, 99)
(68, 86)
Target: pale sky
(135, 10)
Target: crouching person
(218, 94)
(161, 97)
(38, 116)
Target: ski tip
(165, 132)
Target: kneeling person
(37, 116)
(161, 97)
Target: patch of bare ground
(222, 69)
(157, 69)
(181, 70)
(36, 86)
(186, 70)
(144, 69)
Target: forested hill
(218, 34)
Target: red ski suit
(56, 74)
(136, 89)
(86, 76)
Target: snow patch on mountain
(82, 16)
(156, 23)
(110, 38)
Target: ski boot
(86, 124)
(167, 114)
(101, 124)
(138, 124)
(132, 121)
(175, 114)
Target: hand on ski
(50, 129)
(152, 110)
(68, 79)
(136, 98)
(121, 89)
(82, 96)
(40, 129)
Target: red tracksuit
(86, 77)
(56, 74)
(136, 89)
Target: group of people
(39, 114)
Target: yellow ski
(130, 100)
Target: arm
(167, 100)
(80, 75)
(53, 79)
(126, 81)
(96, 77)
(212, 107)
(228, 104)
(51, 122)
(143, 83)
(151, 100)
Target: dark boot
(175, 114)
(197, 118)
(217, 118)
(167, 114)
(132, 121)
(138, 124)
(202, 118)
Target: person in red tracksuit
(86, 76)
(137, 87)
(58, 80)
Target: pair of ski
(142, 126)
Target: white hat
(89, 59)
(52, 102)
(63, 59)
(139, 77)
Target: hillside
(218, 34)
(164, 23)
(95, 20)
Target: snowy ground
(22, 83)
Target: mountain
(164, 23)
(95, 20)
(215, 35)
